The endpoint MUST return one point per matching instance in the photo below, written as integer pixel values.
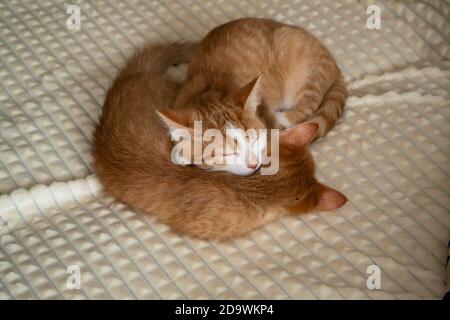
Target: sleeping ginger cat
(294, 78)
(132, 159)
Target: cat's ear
(299, 135)
(319, 197)
(249, 96)
(176, 119)
(328, 198)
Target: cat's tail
(157, 58)
(332, 107)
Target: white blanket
(389, 155)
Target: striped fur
(131, 152)
(300, 79)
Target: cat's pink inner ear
(329, 198)
(300, 135)
(249, 96)
(176, 119)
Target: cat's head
(296, 178)
(232, 116)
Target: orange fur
(300, 79)
(131, 151)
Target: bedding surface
(389, 155)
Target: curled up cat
(258, 73)
(132, 159)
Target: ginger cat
(132, 159)
(294, 79)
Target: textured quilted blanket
(61, 239)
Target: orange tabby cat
(132, 159)
(297, 78)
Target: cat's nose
(252, 166)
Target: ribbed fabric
(389, 156)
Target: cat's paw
(281, 120)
